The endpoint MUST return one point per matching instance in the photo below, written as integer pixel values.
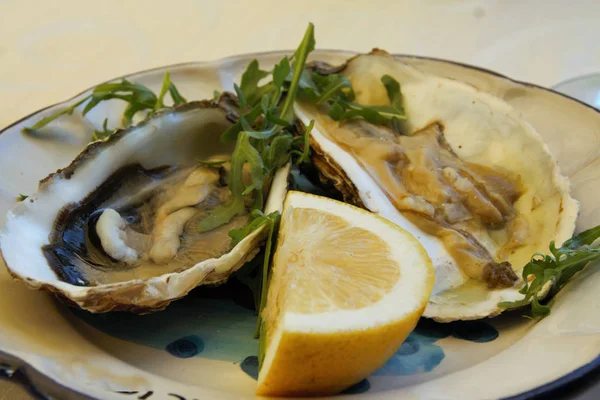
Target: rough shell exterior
(139, 296)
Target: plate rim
(16, 363)
(284, 52)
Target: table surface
(51, 50)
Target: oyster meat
(464, 173)
(118, 229)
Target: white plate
(202, 348)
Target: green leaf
(249, 84)
(104, 133)
(222, 215)
(175, 95)
(241, 96)
(265, 134)
(332, 85)
(336, 110)
(99, 97)
(262, 134)
(249, 275)
(257, 175)
(265, 104)
(555, 269)
(392, 88)
(257, 219)
(260, 325)
(372, 114)
(281, 71)
(276, 120)
(539, 310)
(130, 111)
(243, 153)
(306, 46)
(138, 97)
(216, 95)
(512, 304)
(46, 120)
(568, 270)
(163, 91)
(278, 152)
(586, 237)
(308, 89)
(336, 91)
(22, 197)
(304, 156)
(232, 133)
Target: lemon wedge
(346, 289)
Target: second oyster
(464, 174)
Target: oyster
(118, 228)
(468, 177)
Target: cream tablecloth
(50, 50)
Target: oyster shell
(504, 197)
(117, 228)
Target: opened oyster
(118, 229)
(463, 173)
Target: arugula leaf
(584, 238)
(249, 275)
(46, 120)
(257, 219)
(372, 114)
(163, 91)
(222, 215)
(304, 155)
(260, 146)
(104, 133)
(21, 197)
(336, 110)
(556, 270)
(264, 143)
(392, 88)
(244, 152)
(249, 84)
(240, 96)
(308, 89)
(335, 91)
(276, 120)
(306, 46)
(176, 96)
(138, 97)
(331, 85)
(281, 72)
(233, 131)
(255, 162)
(278, 151)
(257, 134)
(261, 328)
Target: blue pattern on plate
(250, 366)
(221, 329)
(419, 353)
(186, 347)
(224, 328)
(358, 388)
